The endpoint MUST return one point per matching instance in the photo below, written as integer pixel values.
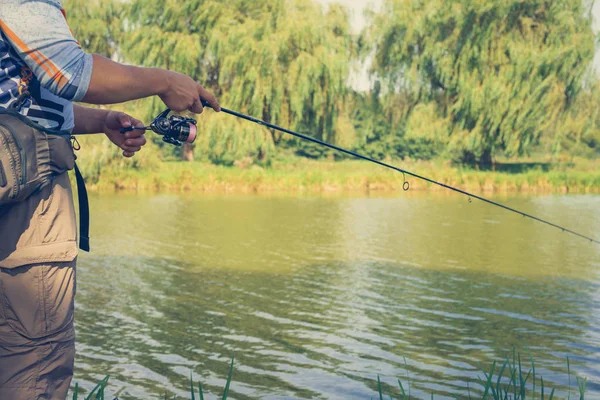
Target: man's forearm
(89, 120)
(117, 83)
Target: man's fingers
(128, 154)
(209, 97)
(137, 142)
(125, 120)
(137, 123)
(134, 144)
(131, 149)
(136, 133)
(197, 108)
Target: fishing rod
(177, 130)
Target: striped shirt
(35, 40)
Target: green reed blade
(100, 395)
(192, 386)
(402, 390)
(510, 377)
(407, 377)
(581, 383)
(515, 376)
(569, 373)
(200, 390)
(379, 388)
(532, 367)
(100, 385)
(512, 381)
(542, 379)
(527, 376)
(498, 388)
(521, 378)
(226, 391)
(488, 382)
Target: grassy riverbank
(300, 175)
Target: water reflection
(317, 296)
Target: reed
(508, 381)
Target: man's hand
(183, 93)
(131, 142)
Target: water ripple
(319, 296)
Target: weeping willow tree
(96, 24)
(483, 77)
(285, 61)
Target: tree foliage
(470, 78)
(483, 76)
(96, 24)
(285, 61)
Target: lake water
(319, 295)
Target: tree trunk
(187, 152)
(468, 158)
(486, 159)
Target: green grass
(508, 381)
(300, 175)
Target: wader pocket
(37, 301)
(30, 157)
(61, 154)
(11, 158)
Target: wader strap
(84, 212)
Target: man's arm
(112, 82)
(89, 120)
(94, 120)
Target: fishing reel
(174, 129)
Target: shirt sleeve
(38, 32)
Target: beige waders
(38, 251)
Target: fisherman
(43, 71)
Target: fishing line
(405, 185)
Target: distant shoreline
(352, 176)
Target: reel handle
(205, 103)
(131, 128)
